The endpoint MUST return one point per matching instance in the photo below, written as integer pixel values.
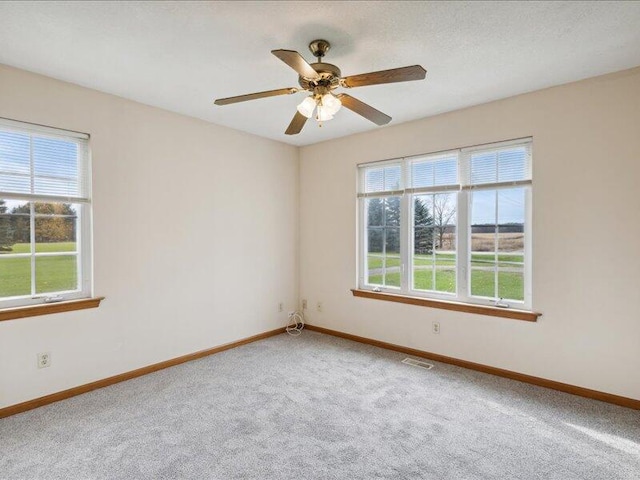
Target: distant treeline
(502, 228)
(488, 228)
(54, 222)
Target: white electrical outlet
(281, 307)
(319, 306)
(304, 303)
(435, 328)
(44, 360)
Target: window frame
(463, 222)
(439, 295)
(83, 204)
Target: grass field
(510, 284)
(43, 247)
(449, 259)
(507, 242)
(53, 273)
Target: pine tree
(20, 223)
(375, 211)
(423, 231)
(392, 222)
(6, 232)
(383, 224)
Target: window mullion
(463, 257)
(406, 229)
(433, 244)
(32, 246)
(363, 271)
(528, 294)
(496, 239)
(32, 219)
(384, 254)
(405, 242)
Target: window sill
(48, 308)
(445, 305)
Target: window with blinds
(381, 191)
(45, 205)
(503, 164)
(452, 225)
(433, 181)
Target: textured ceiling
(181, 55)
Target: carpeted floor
(318, 407)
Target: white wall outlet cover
(44, 359)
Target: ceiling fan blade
(295, 61)
(404, 74)
(296, 124)
(255, 96)
(361, 108)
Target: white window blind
(43, 164)
(431, 173)
(488, 166)
(381, 179)
(504, 164)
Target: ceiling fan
(321, 79)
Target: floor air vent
(417, 363)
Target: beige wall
(586, 231)
(195, 239)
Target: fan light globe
(307, 106)
(324, 114)
(331, 103)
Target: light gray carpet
(317, 407)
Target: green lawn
(43, 247)
(504, 260)
(445, 280)
(423, 280)
(449, 259)
(376, 261)
(393, 279)
(510, 284)
(54, 273)
(441, 259)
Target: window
(45, 207)
(452, 225)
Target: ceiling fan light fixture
(323, 114)
(307, 106)
(331, 103)
(319, 79)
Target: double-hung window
(45, 207)
(452, 225)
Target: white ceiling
(181, 55)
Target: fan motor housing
(329, 77)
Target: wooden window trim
(48, 308)
(525, 315)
